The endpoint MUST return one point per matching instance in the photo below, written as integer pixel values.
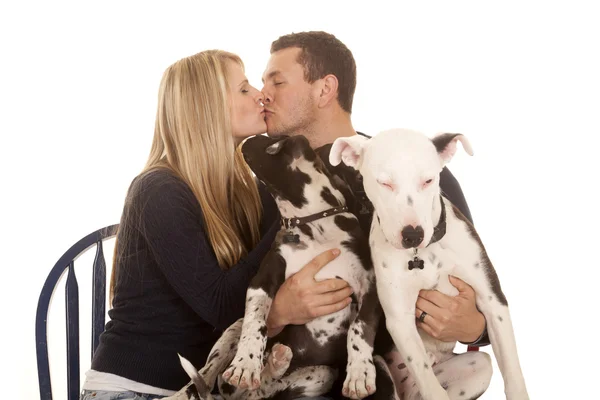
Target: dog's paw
(244, 373)
(360, 379)
(279, 360)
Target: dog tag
(416, 262)
(291, 238)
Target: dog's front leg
(360, 371)
(494, 306)
(399, 307)
(245, 369)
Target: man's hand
(451, 318)
(301, 298)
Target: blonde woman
(194, 229)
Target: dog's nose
(411, 236)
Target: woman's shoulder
(160, 181)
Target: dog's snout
(411, 236)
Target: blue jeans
(106, 395)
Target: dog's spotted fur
(400, 172)
(337, 344)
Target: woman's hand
(301, 298)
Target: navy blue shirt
(171, 296)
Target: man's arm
(452, 191)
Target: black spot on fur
(473, 363)
(329, 197)
(409, 359)
(445, 385)
(383, 264)
(358, 243)
(426, 366)
(500, 318)
(355, 331)
(403, 379)
(346, 323)
(439, 265)
(309, 378)
(462, 393)
(477, 265)
(441, 141)
(409, 200)
(263, 330)
(192, 392)
(355, 347)
(307, 231)
(268, 167)
(226, 388)
(251, 356)
(270, 275)
(330, 320)
(213, 356)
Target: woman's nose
(260, 98)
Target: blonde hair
(193, 139)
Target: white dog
(418, 238)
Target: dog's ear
(445, 144)
(348, 149)
(275, 147)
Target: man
(309, 85)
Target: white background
(78, 85)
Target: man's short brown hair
(323, 54)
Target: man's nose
(266, 97)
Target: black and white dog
(302, 360)
(418, 238)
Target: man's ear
(328, 90)
(445, 144)
(350, 150)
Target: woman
(194, 229)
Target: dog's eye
(427, 183)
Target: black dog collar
(296, 221)
(440, 230)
